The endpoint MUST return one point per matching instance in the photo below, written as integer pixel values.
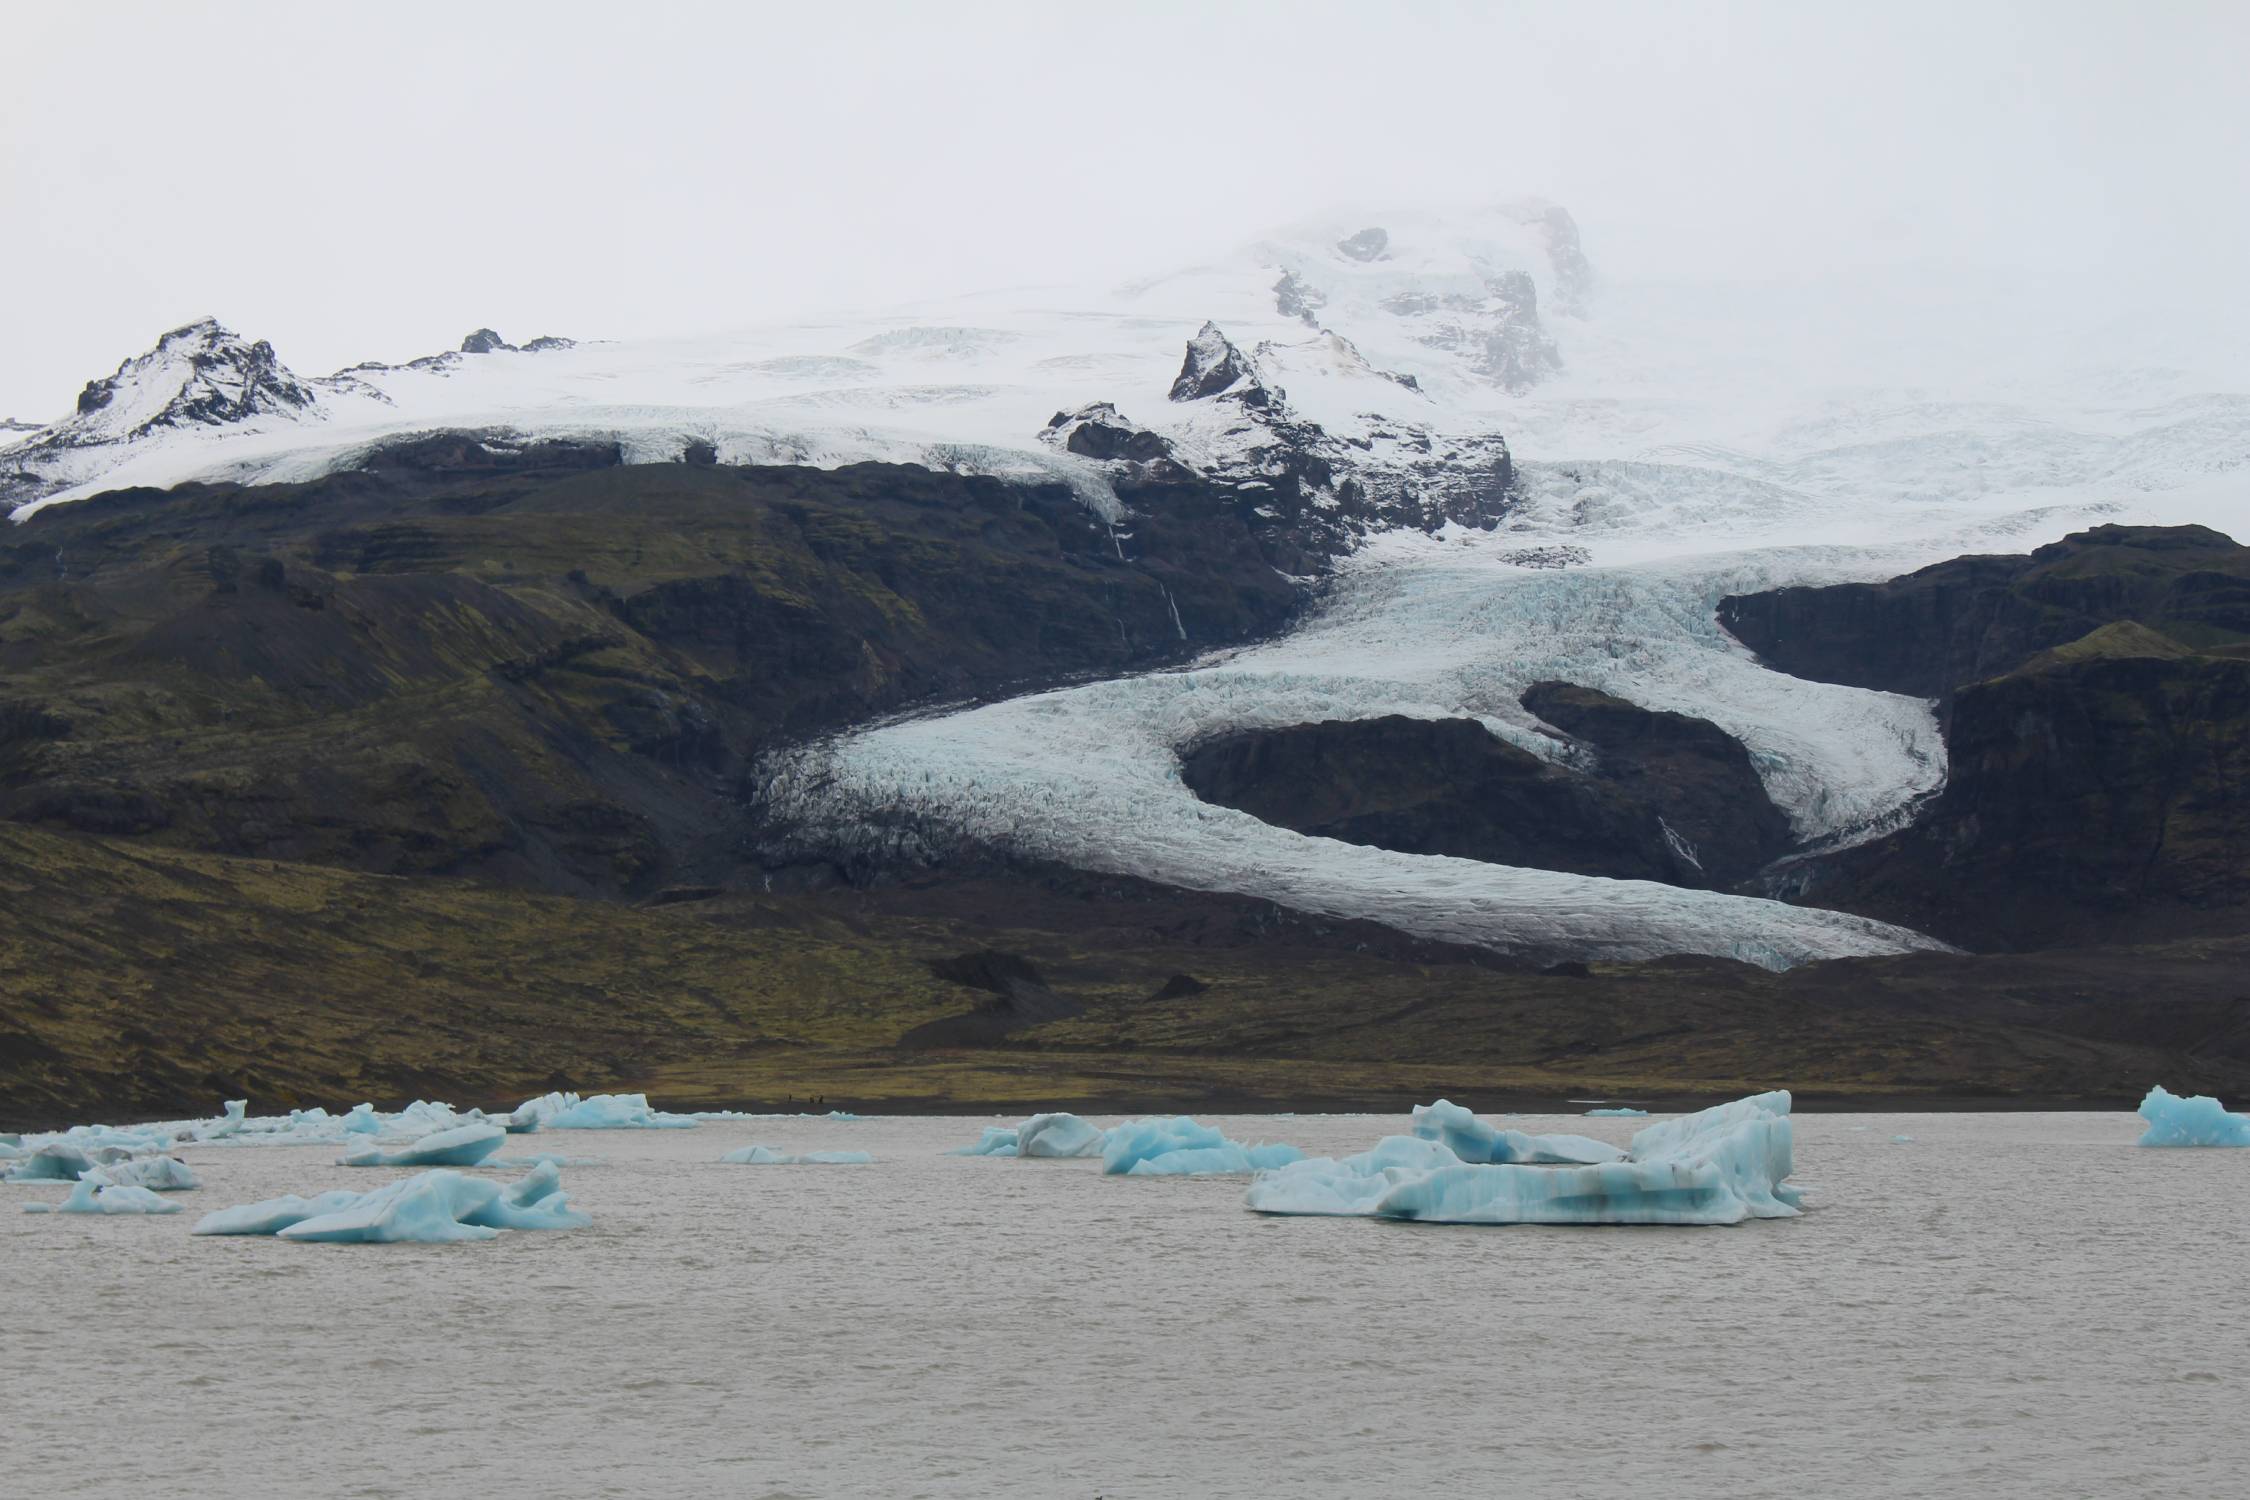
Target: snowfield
(1673, 443)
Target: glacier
(1183, 1147)
(462, 1146)
(1718, 1166)
(768, 1156)
(2197, 1120)
(1674, 441)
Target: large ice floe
(2197, 1120)
(433, 1208)
(769, 1156)
(1051, 1135)
(1718, 1166)
(1183, 1147)
(462, 1146)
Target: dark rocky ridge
(2096, 696)
(1660, 797)
(537, 665)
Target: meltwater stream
(2007, 1305)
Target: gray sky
(371, 183)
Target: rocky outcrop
(1100, 431)
(1656, 803)
(1214, 367)
(1957, 622)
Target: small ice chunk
(274, 1214)
(463, 1146)
(1902, 1140)
(997, 1140)
(1059, 1135)
(2196, 1120)
(537, 1202)
(160, 1174)
(1619, 1112)
(1180, 1146)
(228, 1124)
(57, 1161)
(361, 1120)
(1472, 1140)
(767, 1156)
(567, 1111)
(94, 1193)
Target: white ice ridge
(770, 1156)
(436, 1207)
(1050, 1135)
(1718, 1166)
(2197, 1120)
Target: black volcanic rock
(1214, 366)
(485, 341)
(1931, 631)
(1448, 786)
(1294, 297)
(1368, 244)
(1100, 431)
(1696, 775)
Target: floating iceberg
(1351, 1187)
(997, 1140)
(1621, 1112)
(463, 1146)
(2197, 1120)
(767, 1156)
(1180, 1146)
(1053, 1135)
(57, 1161)
(274, 1214)
(94, 1193)
(435, 1208)
(159, 1174)
(567, 1111)
(1472, 1140)
(1718, 1166)
(362, 1121)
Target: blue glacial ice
(274, 1214)
(1183, 1147)
(1472, 1140)
(567, 1111)
(997, 1140)
(767, 1156)
(94, 1193)
(2197, 1120)
(462, 1146)
(159, 1174)
(362, 1120)
(433, 1208)
(57, 1161)
(1718, 1166)
(1621, 1112)
(1054, 1135)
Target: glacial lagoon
(2005, 1305)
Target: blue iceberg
(462, 1146)
(567, 1111)
(536, 1202)
(2198, 1120)
(1183, 1147)
(1472, 1140)
(1718, 1166)
(274, 1214)
(1618, 1112)
(159, 1174)
(767, 1156)
(997, 1140)
(1055, 1135)
(94, 1193)
(57, 1161)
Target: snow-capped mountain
(1515, 478)
(1348, 366)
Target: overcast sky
(371, 183)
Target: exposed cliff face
(1657, 797)
(2100, 794)
(538, 665)
(2098, 697)
(1976, 617)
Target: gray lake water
(2011, 1305)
